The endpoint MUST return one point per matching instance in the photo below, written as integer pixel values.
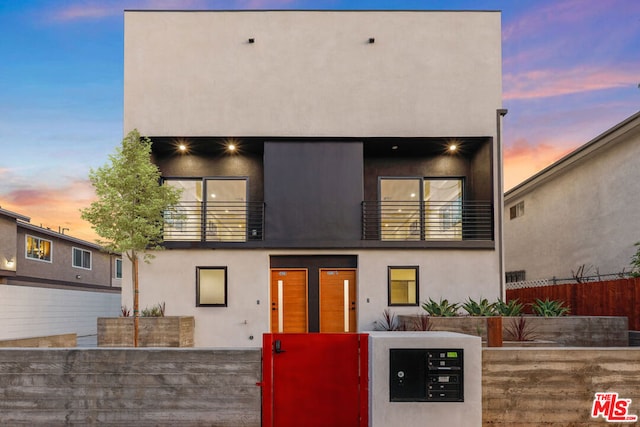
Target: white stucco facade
(316, 74)
(582, 210)
(312, 73)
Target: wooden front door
(338, 300)
(289, 300)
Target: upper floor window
(81, 258)
(118, 269)
(37, 248)
(516, 210)
(211, 209)
(421, 208)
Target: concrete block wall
(142, 387)
(171, 331)
(555, 386)
(63, 340)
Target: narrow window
(211, 286)
(516, 210)
(118, 268)
(39, 249)
(81, 258)
(515, 276)
(403, 286)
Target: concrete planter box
(169, 331)
(568, 331)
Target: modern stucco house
(52, 283)
(333, 164)
(583, 210)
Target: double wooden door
(336, 300)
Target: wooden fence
(608, 298)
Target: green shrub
(548, 308)
(512, 308)
(482, 308)
(440, 309)
(388, 322)
(155, 311)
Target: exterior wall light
(10, 263)
(372, 40)
(252, 40)
(78, 276)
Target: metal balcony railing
(214, 222)
(428, 220)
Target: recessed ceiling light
(453, 147)
(394, 147)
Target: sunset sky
(571, 70)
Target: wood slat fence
(619, 297)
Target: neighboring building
(334, 164)
(52, 283)
(583, 210)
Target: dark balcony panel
(427, 221)
(313, 191)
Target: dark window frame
(226, 286)
(417, 285)
(82, 258)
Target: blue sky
(571, 70)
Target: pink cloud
(524, 159)
(547, 83)
(54, 208)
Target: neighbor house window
(516, 210)
(515, 276)
(39, 249)
(118, 268)
(211, 286)
(403, 285)
(81, 258)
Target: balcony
(427, 221)
(214, 222)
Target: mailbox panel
(426, 375)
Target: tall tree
(128, 214)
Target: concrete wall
(141, 387)
(36, 311)
(63, 340)
(584, 211)
(187, 387)
(312, 73)
(452, 274)
(534, 387)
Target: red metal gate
(315, 380)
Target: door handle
(277, 346)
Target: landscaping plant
(388, 322)
(155, 311)
(520, 330)
(441, 309)
(482, 308)
(548, 308)
(128, 212)
(511, 308)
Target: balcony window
(421, 209)
(39, 249)
(226, 210)
(214, 210)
